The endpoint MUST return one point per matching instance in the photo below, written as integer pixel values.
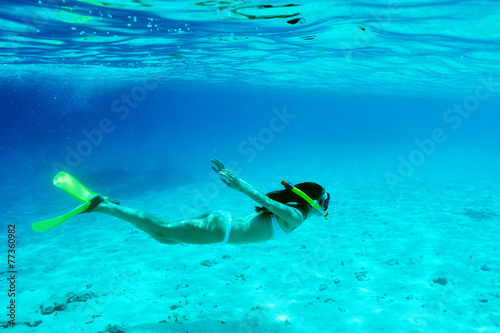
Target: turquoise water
(391, 106)
(384, 47)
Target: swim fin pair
(71, 185)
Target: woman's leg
(205, 229)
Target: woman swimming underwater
(279, 214)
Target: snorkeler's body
(205, 229)
(211, 227)
(274, 220)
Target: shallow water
(392, 107)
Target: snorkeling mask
(321, 206)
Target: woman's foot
(94, 202)
(97, 200)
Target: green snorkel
(307, 198)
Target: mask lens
(326, 202)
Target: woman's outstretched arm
(289, 214)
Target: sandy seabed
(423, 257)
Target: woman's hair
(289, 198)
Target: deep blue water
(47, 128)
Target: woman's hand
(220, 166)
(228, 176)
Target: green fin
(49, 224)
(69, 183)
